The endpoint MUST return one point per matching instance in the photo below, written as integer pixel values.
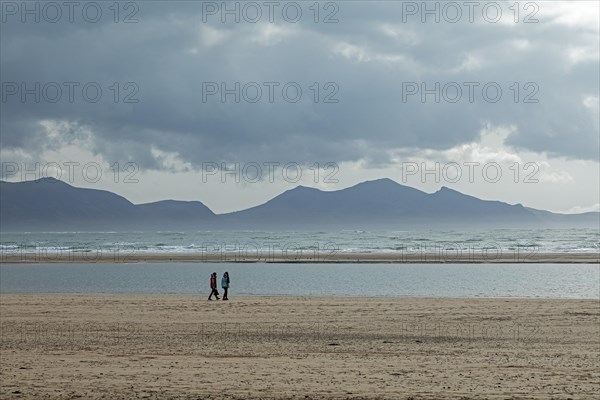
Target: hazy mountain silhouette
(51, 205)
(376, 204)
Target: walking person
(225, 285)
(213, 286)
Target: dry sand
(185, 347)
(132, 256)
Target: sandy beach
(185, 347)
(450, 257)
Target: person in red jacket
(213, 286)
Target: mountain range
(53, 205)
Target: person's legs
(225, 293)
(215, 292)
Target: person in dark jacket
(225, 285)
(213, 286)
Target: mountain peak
(380, 181)
(447, 190)
(302, 187)
(43, 181)
(50, 180)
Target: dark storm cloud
(368, 55)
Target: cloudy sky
(340, 92)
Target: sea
(516, 280)
(507, 241)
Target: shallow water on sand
(431, 280)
